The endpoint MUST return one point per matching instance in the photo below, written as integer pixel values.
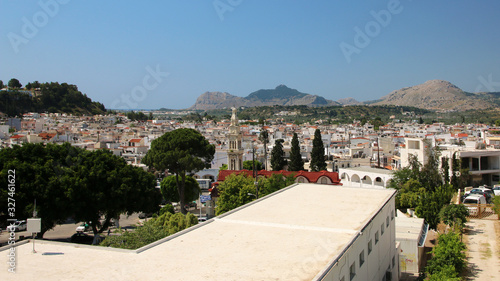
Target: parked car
(475, 199)
(81, 238)
(496, 190)
(17, 226)
(83, 227)
(487, 193)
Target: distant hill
(440, 95)
(48, 97)
(281, 95)
(348, 101)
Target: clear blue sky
(107, 47)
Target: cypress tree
(278, 161)
(318, 153)
(296, 162)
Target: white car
(17, 226)
(472, 202)
(496, 190)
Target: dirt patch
(483, 249)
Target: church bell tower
(234, 152)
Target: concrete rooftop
(293, 234)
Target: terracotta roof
(310, 176)
(17, 137)
(135, 140)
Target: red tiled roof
(310, 176)
(16, 136)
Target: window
(370, 246)
(361, 258)
(393, 261)
(387, 222)
(376, 238)
(382, 229)
(392, 215)
(352, 271)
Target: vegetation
(249, 165)
(170, 193)
(296, 161)
(237, 190)
(448, 258)
(234, 191)
(318, 162)
(154, 229)
(52, 97)
(496, 205)
(137, 116)
(278, 160)
(454, 215)
(181, 151)
(70, 182)
(423, 187)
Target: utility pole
(378, 153)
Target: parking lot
(63, 232)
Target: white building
(365, 177)
(302, 232)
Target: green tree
(33, 85)
(448, 254)
(431, 203)
(223, 167)
(170, 193)
(233, 192)
(154, 229)
(106, 186)
(296, 162)
(14, 84)
(318, 153)
(445, 169)
(180, 152)
(496, 205)
(237, 190)
(1, 84)
(278, 160)
(454, 215)
(248, 165)
(39, 173)
(274, 183)
(430, 174)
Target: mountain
(439, 95)
(281, 95)
(48, 97)
(348, 101)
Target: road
(63, 232)
(482, 238)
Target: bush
(454, 214)
(496, 205)
(155, 229)
(447, 255)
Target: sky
(153, 54)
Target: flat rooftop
(293, 234)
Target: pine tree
(278, 161)
(296, 162)
(318, 153)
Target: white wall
(383, 253)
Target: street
(63, 232)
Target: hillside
(281, 95)
(439, 95)
(49, 97)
